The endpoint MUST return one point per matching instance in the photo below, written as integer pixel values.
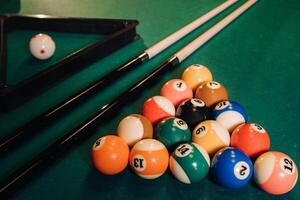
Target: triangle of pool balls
(117, 33)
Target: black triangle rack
(118, 33)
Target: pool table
(257, 58)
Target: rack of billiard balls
(194, 121)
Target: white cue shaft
(163, 44)
(202, 39)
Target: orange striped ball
(149, 158)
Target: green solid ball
(172, 131)
(189, 163)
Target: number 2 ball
(275, 172)
(252, 139)
(158, 108)
(110, 154)
(41, 46)
(149, 158)
(231, 168)
(176, 91)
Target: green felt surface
(257, 58)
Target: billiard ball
(42, 46)
(149, 158)
(158, 108)
(231, 168)
(275, 172)
(172, 131)
(110, 154)
(230, 114)
(189, 163)
(252, 139)
(211, 92)
(133, 128)
(196, 74)
(176, 91)
(192, 112)
(211, 135)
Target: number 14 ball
(149, 158)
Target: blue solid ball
(230, 114)
(231, 168)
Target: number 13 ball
(149, 158)
(231, 168)
(275, 172)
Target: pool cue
(55, 150)
(50, 115)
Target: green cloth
(256, 57)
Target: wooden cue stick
(63, 144)
(39, 122)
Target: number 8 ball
(231, 168)
(192, 111)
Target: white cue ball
(42, 46)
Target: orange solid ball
(250, 138)
(176, 91)
(110, 154)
